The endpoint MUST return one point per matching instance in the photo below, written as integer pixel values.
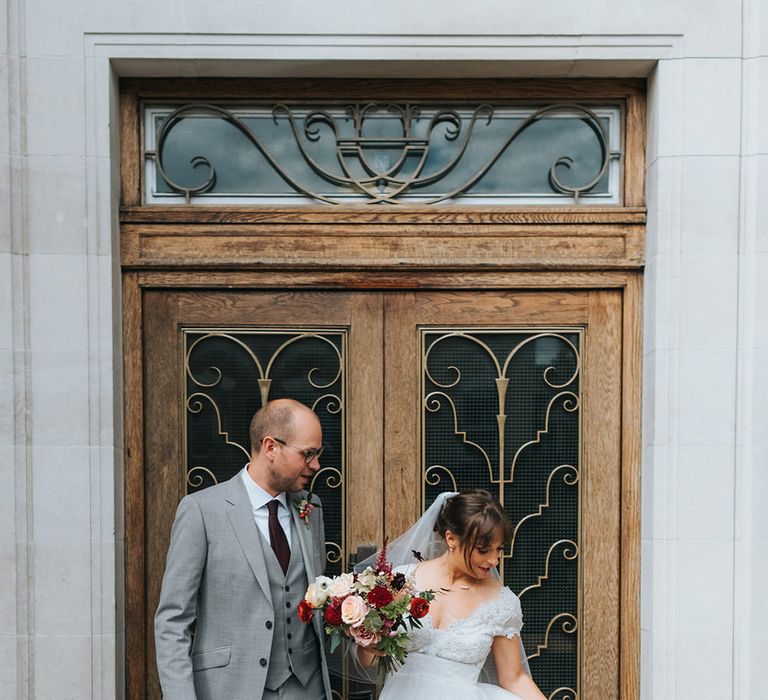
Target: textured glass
(229, 373)
(436, 150)
(500, 411)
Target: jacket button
(289, 635)
(287, 589)
(290, 651)
(263, 662)
(269, 624)
(287, 620)
(288, 604)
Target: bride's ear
(451, 540)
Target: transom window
(387, 153)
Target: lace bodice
(469, 640)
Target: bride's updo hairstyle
(476, 518)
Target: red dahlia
(333, 613)
(419, 607)
(379, 597)
(305, 611)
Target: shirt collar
(258, 496)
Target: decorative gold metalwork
(502, 385)
(432, 404)
(332, 480)
(570, 404)
(571, 479)
(196, 406)
(574, 553)
(333, 403)
(567, 694)
(333, 406)
(501, 475)
(263, 374)
(434, 478)
(195, 479)
(336, 554)
(383, 183)
(569, 625)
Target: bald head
(277, 418)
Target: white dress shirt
(259, 500)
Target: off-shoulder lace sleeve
(509, 619)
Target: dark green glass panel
(538, 478)
(222, 394)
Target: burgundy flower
(398, 581)
(305, 611)
(333, 613)
(419, 607)
(382, 563)
(379, 596)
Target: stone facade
(705, 528)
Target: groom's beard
(290, 482)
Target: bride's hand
(367, 656)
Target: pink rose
(353, 610)
(364, 637)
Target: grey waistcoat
(298, 654)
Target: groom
(238, 565)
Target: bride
(474, 621)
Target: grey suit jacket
(215, 577)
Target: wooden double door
(517, 392)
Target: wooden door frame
(404, 248)
(629, 283)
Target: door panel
(519, 393)
(212, 359)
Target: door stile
(601, 512)
(401, 452)
(631, 467)
(365, 445)
(162, 440)
(135, 595)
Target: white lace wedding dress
(445, 664)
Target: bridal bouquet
(376, 608)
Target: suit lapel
(302, 532)
(304, 535)
(241, 517)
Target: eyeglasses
(309, 455)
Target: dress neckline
(456, 622)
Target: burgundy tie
(277, 537)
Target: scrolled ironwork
(570, 404)
(207, 336)
(377, 183)
(196, 477)
(228, 373)
(538, 336)
(333, 403)
(333, 552)
(195, 405)
(570, 552)
(432, 404)
(569, 625)
(432, 477)
(332, 480)
(299, 338)
(563, 694)
(514, 369)
(570, 477)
